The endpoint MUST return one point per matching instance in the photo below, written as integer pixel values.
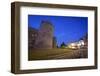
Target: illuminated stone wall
(45, 35)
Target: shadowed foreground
(46, 54)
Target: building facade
(32, 35)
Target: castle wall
(32, 35)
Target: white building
(76, 45)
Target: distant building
(82, 43)
(43, 37)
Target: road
(81, 53)
(57, 54)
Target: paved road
(81, 53)
(57, 54)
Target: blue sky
(66, 28)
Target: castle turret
(45, 35)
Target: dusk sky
(66, 28)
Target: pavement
(58, 54)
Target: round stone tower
(45, 35)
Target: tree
(63, 45)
